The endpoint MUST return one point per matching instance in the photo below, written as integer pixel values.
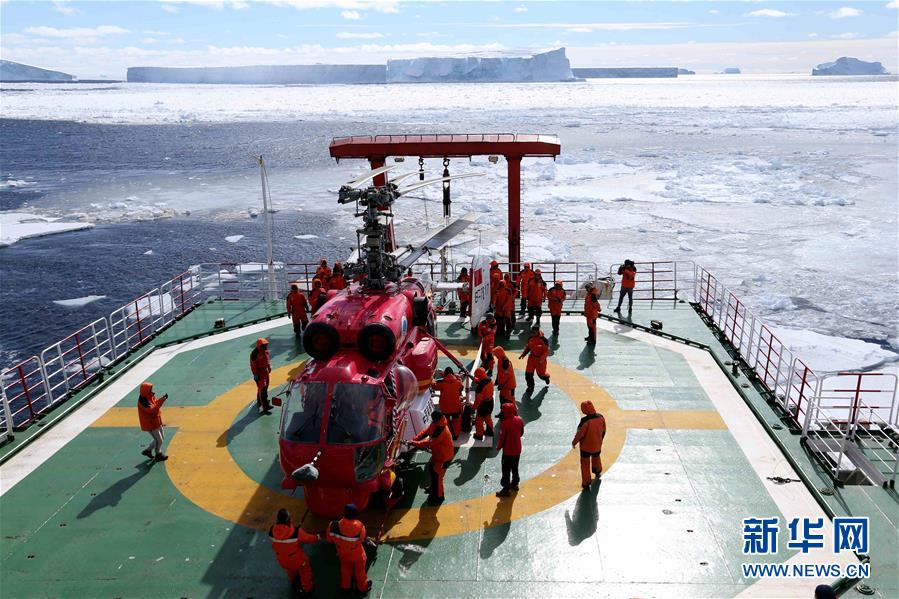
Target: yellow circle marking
(202, 469)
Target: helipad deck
(83, 514)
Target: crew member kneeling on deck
(591, 312)
(590, 432)
(261, 367)
(439, 441)
(483, 404)
(286, 540)
(450, 389)
(297, 309)
(149, 412)
(536, 350)
(348, 535)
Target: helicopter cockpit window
(357, 413)
(303, 414)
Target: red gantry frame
(376, 149)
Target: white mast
(266, 207)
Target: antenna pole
(266, 207)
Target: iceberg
(16, 71)
(79, 302)
(263, 74)
(625, 72)
(731, 71)
(16, 226)
(846, 65)
(549, 66)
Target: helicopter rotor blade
(370, 174)
(439, 239)
(396, 180)
(406, 190)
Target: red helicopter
(373, 349)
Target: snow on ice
(233, 238)
(79, 302)
(16, 226)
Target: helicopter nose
(305, 474)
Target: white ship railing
(73, 362)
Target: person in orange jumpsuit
(536, 295)
(496, 277)
(450, 389)
(524, 277)
(286, 543)
(487, 333)
(348, 535)
(591, 312)
(297, 308)
(323, 273)
(505, 309)
(317, 295)
(260, 366)
(149, 413)
(628, 272)
(590, 432)
(537, 350)
(337, 280)
(556, 297)
(483, 404)
(505, 376)
(438, 439)
(510, 434)
(464, 293)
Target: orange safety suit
(260, 366)
(496, 279)
(556, 296)
(337, 280)
(591, 312)
(438, 439)
(590, 432)
(286, 540)
(465, 292)
(628, 275)
(450, 389)
(348, 536)
(487, 333)
(297, 308)
(504, 308)
(483, 405)
(150, 417)
(536, 292)
(537, 350)
(323, 273)
(505, 376)
(524, 277)
(317, 295)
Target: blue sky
(103, 38)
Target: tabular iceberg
(262, 75)
(16, 71)
(849, 66)
(549, 66)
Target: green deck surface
(96, 520)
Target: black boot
(529, 378)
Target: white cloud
(813, 35)
(893, 4)
(169, 8)
(351, 15)
(77, 34)
(843, 12)
(521, 9)
(579, 30)
(592, 26)
(65, 9)
(176, 40)
(849, 35)
(768, 12)
(155, 32)
(347, 35)
(714, 11)
(149, 40)
(384, 6)
(215, 4)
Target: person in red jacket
(323, 274)
(487, 333)
(348, 535)
(505, 309)
(149, 413)
(297, 308)
(337, 280)
(450, 389)
(591, 312)
(483, 405)
(286, 543)
(438, 439)
(464, 293)
(510, 434)
(628, 272)
(505, 376)
(590, 432)
(536, 295)
(496, 276)
(556, 297)
(317, 295)
(261, 367)
(537, 350)
(524, 277)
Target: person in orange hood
(149, 413)
(487, 333)
(590, 432)
(286, 542)
(536, 295)
(317, 295)
(297, 308)
(510, 434)
(323, 274)
(438, 439)
(505, 309)
(348, 535)
(537, 350)
(450, 389)
(505, 376)
(556, 297)
(261, 367)
(337, 280)
(464, 293)
(483, 404)
(591, 312)
(496, 278)
(524, 277)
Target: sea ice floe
(78, 302)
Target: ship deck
(688, 455)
